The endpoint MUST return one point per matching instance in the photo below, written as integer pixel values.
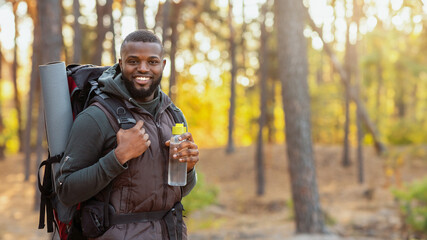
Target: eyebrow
(153, 56)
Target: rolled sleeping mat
(57, 106)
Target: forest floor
(354, 211)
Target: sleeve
(191, 182)
(192, 175)
(83, 171)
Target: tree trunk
(113, 41)
(165, 20)
(346, 147)
(356, 72)
(103, 12)
(35, 62)
(360, 136)
(271, 102)
(292, 52)
(140, 14)
(17, 97)
(360, 133)
(348, 69)
(174, 42)
(158, 18)
(400, 92)
(380, 147)
(242, 40)
(77, 40)
(51, 29)
(379, 91)
(230, 143)
(260, 179)
(40, 134)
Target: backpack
(83, 87)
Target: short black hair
(141, 35)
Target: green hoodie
(89, 163)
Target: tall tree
(232, 47)
(113, 42)
(158, 19)
(17, 97)
(273, 82)
(77, 39)
(357, 9)
(165, 20)
(174, 45)
(35, 90)
(292, 52)
(51, 29)
(263, 77)
(140, 14)
(39, 143)
(348, 63)
(380, 82)
(34, 81)
(104, 21)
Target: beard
(141, 94)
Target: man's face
(142, 65)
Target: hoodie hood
(111, 82)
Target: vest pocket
(124, 199)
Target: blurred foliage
(406, 131)
(202, 195)
(413, 205)
(9, 135)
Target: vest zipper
(165, 165)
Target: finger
(145, 137)
(187, 152)
(142, 130)
(139, 124)
(148, 143)
(168, 143)
(187, 136)
(191, 159)
(187, 144)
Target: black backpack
(83, 86)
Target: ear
(120, 64)
(164, 64)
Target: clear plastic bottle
(177, 174)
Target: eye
(153, 62)
(132, 61)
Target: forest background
(367, 69)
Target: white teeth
(142, 78)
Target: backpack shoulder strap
(46, 188)
(177, 114)
(116, 111)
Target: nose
(143, 66)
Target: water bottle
(177, 174)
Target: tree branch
(379, 146)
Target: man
(135, 160)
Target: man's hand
(131, 143)
(187, 151)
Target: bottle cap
(179, 129)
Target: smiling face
(142, 65)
